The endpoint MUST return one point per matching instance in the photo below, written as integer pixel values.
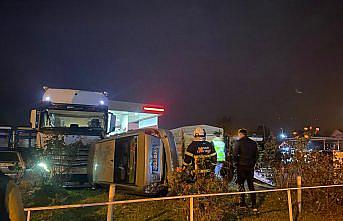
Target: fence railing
(190, 197)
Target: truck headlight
(44, 166)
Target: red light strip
(155, 109)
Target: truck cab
(138, 161)
(76, 117)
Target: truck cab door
(103, 162)
(111, 123)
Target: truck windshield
(75, 119)
(8, 157)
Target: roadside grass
(272, 206)
(52, 195)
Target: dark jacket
(203, 149)
(245, 153)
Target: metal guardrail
(190, 197)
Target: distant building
(132, 116)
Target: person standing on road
(11, 206)
(219, 146)
(200, 155)
(245, 154)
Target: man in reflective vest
(219, 146)
(200, 155)
(11, 206)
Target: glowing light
(44, 166)
(47, 98)
(95, 166)
(283, 136)
(153, 109)
(102, 102)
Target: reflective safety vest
(219, 146)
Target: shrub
(59, 157)
(209, 208)
(315, 168)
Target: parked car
(12, 164)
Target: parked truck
(74, 117)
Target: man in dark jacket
(245, 154)
(11, 206)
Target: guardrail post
(111, 195)
(191, 209)
(290, 209)
(299, 193)
(28, 217)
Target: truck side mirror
(33, 118)
(112, 125)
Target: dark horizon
(275, 63)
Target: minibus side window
(125, 160)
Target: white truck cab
(75, 116)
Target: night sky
(278, 63)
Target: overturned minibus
(138, 161)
